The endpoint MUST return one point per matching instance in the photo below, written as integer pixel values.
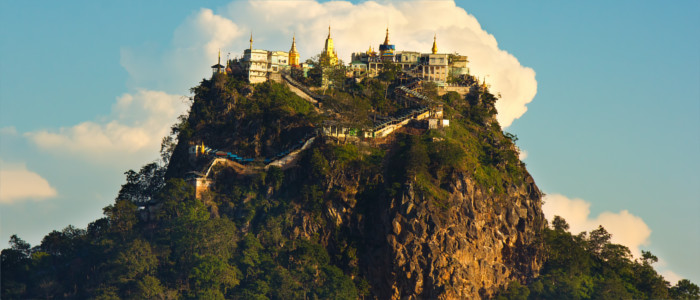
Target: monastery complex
(258, 66)
(262, 65)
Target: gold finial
(219, 62)
(386, 40)
(251, 40)
(435, 44)
(329, 31)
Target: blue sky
(614, 126)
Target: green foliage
(451, 98)
(515, 291)
(319, 164)
(685, 289)
(389, 71)
(345, 153)
(589, 266)
(272, 235)
(142, 187)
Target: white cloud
(626, 228)
(130, 134)
(18, 184)
(354, 27)
(522, 155)
(671, 276)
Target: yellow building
(294, 54)
(329, 57)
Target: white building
(260, 64)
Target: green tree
(143, 186)
(149, 287)
(597, 239)
(685, 289)
(515, 291)
(559, 224)
(15, 264)
(122, 216)
(212, 273)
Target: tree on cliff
(589, 266)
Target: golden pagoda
(329, 57)
(386, 50)
(435, 44)
(293, 53)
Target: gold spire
(294, 44)
(251, 40)
(329, 56)
(293, 54)
(386, 40)
(219, 62)
(435, 44)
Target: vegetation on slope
(589, 266)
(272, 234)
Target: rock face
(463, 249)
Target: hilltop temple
(261, 65)
(329, 57)
(433, 67)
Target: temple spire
(329, 31)
(293, 53)
(251, 40)
(435, 44)
(386, 40)
(294, 44)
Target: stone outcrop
(465, 248)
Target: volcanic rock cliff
(414, 247)
(476, 244)
(447, 213)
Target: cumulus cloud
(18, 184)
(132, 131)
(522, 155)
(355, 27)
(626, 229)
